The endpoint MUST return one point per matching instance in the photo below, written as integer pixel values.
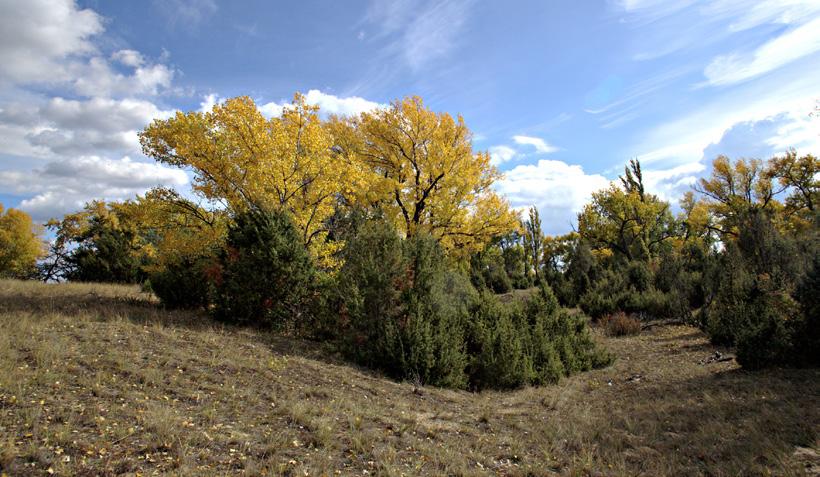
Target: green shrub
(401, 310)
(528, 343)
(765, 302)
(267, 278)
(807, 328)
(106, 255)
(184, 284)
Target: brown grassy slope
(98, 380)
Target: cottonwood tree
(20, 244)
(424, 174)
(246, 161)
(627, 221)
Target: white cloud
(97, 78)
(559, 191)
(539, 144)
(37, 36)
(782, 50)
(57, 151)
(66, 185)
(209, 101)
(130, 58)
(349, 106)
(328, 104)
(272, 109)
(63, 127)
(501, 154)
(759, 139)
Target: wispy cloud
(417, 32)
(188, 13)
(791, 46)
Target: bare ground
(99, 380)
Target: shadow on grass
(104, 303)
(739, 422)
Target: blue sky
(561, 93)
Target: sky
(561, 93)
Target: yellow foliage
(20, 243)
(419, 168)
(245, 160)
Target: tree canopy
(20, 244)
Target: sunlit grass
(98, 379)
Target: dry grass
(97, 380)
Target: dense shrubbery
(394, 310)
(359, 267)
(763, 305)
(404, 312)
(184, 283)
(534, 342)
(266, 276)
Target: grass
(99, 380)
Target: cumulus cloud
(98, 78)
(208, 102)
(539, 144)
(37, 36)
(52, 43)
(58, 151)
(130, 58)
(559, 191)
(328, 104)
(78, 127)
(66, 185)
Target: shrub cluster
(184, 283)
(404, 312)
(534, 342)
(765, 303)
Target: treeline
(358, 231)
(382, 234)
(740, 259)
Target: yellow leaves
(419, 168)
(734, 189)
(626, 223)
(20, 243)
(245, 160)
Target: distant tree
(626, 221)
(20, 244)
(534, 242)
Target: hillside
(99, 380)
